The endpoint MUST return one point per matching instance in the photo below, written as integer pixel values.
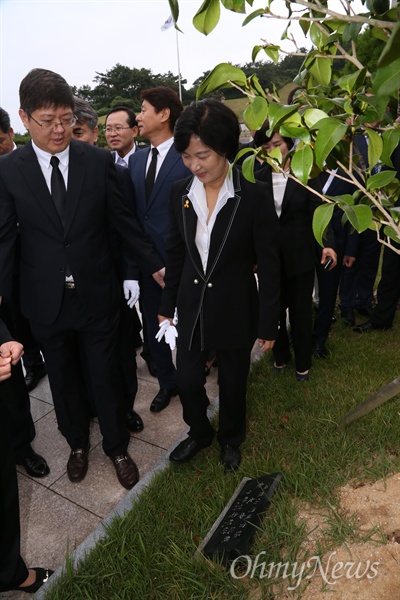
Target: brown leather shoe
(77, 465)
(126, 469)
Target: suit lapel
(32, 173)
(76, 173)
(189, 218)
(168, 164)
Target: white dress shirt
(162, 153)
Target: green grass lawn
(292, 427)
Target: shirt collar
(164, 147)
(44, 157)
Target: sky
(79, 38)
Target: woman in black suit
(220, 226)
(14, 574)
(294, 205)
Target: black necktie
(151, 174)
(58, 190)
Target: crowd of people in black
(213, 262)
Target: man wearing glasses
(64, 193)
(121, 130)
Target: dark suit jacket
(224, 301)
(154, 215)
(93, 199)
(297, 239)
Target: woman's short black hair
(260, 137)
(213, 122)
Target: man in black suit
(153, 172)
(63, 194)
(86, 130)
(15, 390)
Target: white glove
(170, 333)
(175, 319)
(131, 292)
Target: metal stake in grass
(386, 393)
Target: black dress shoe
(33, 377)
(186, 450)
(151, 365)
(368, 326)
(77, 464)
(320, 351)
(162, 399)
(42, 575)
(34, 464)
(134, 422)
(347, 316)
(126, 469)
(230, 457)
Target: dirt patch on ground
(366, 570)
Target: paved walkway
(57, 516)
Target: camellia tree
(331, 108)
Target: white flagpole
(179, 67)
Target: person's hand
(266, 344)
(328, 253)
(348, 261)
(158, 276)
(167, 330)
(10, 354)
(131, 292)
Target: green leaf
(375, 147)
(256, 113)
(360, 216)
(174, 7)
(329, 134)
(255, 85)
(391, 50)
(272, 52)
(294, 132)
(312, 116)
(390, 232)
(301, 164)
(380, 180)
(220, 77)
(253, 15)
(351, 32)
(321, 70)
(248, 168)
(244, 151)
(255, 52)
(305, 25)
(278, 113)
(386, 80)
(353, 81)
(318, 38)
(207, 17)
(344, 199)
(391, 139)
(238, 6)
(321, 219)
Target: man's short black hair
(213, 122)
(42, 88)
(163, 97)
(5, 123)
(131, 115)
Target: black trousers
(388, 290)
(296, 295)
(13, 570)
(328, 285)
(233, 370)
(150, 300)
(62, 341)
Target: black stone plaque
(233, 531)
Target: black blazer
(224, 301)
(297, 241)
(93, 200)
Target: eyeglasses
(52, 125)
(117, 129)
